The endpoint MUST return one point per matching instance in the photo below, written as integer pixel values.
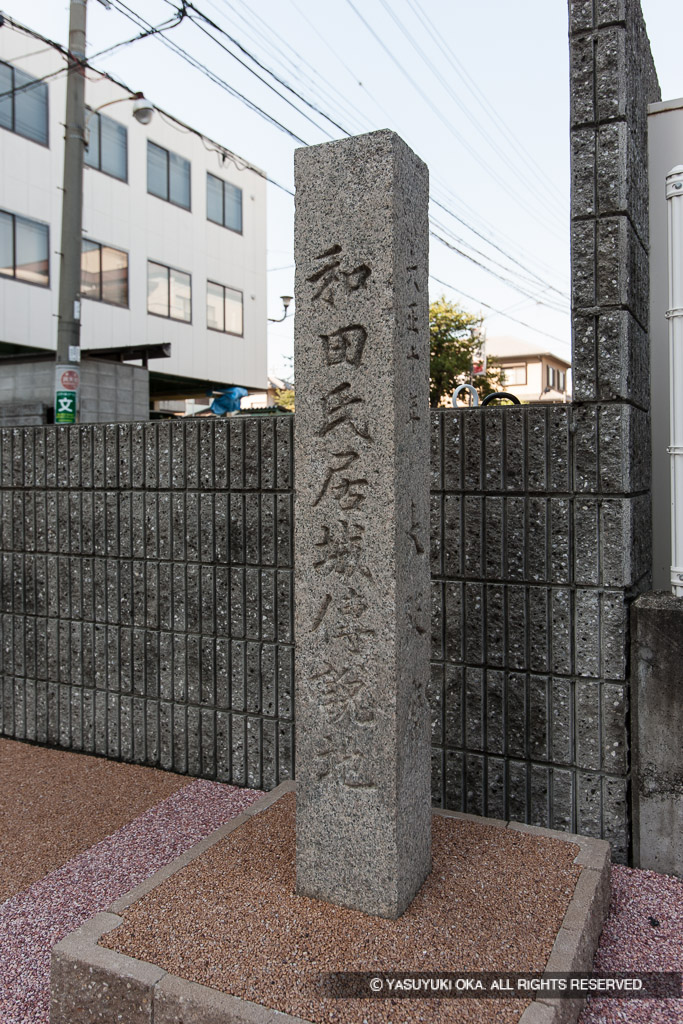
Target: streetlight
(286, 299)
(67, 373)
(143, 110)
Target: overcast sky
(479, 90)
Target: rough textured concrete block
(362, 617)
(657, 724)
(93, 985)
(583, 193)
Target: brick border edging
(90, 984)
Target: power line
(528, 276)
(149, 30)
(484, 237)
(198, 65)
(500, 277)
(275, 51)
(480, 234)
(65, 53)
(268, 71)
(493, 309)
(484, 103)
(53, 44)
(550, 206)
(507, 255)
(456, 135)
(247, 68)
(119, 4)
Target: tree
(284, 398)
(455, 347)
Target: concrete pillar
(361, 523)
(657, 733)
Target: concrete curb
(94, 985)
(199, 848)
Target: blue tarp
(228, 401)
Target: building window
(169, 292)
(224, 309)
(24, 249)
(104, 273)
(107, 148)
(23, 103)
(557, 379)
(223, 203)
(515, 374)
(168, 175)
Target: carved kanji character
(345, 345)
(338, 411)
(347, 490)
(413, 532)
(341, 549)
(331, 277)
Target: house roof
(508, 347)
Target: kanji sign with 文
(65, 407)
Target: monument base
(220, 937)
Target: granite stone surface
(362, 523)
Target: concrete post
(361, 523)
(656, 729)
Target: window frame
(167, 197)
(101, 246)
(557, 379)
(223, 330)
(12, 95)
(221, 223)
(168, 269)
(13, 275)
(507, 370)
(90, 114)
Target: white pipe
(674, 195)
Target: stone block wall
(146, 593)
(612, 81)
(532, 542)
(146, 590)
(146, 603)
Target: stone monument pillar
(362, 523)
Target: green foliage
(455, 345)
(284, 399)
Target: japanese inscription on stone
(362, 578)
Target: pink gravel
(644, 932)
(38, 917)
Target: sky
(479, 90)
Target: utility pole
(67, 375)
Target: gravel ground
(33, 920)
(644, 930)
(54, 804)
(494, 901)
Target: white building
(174, 232)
